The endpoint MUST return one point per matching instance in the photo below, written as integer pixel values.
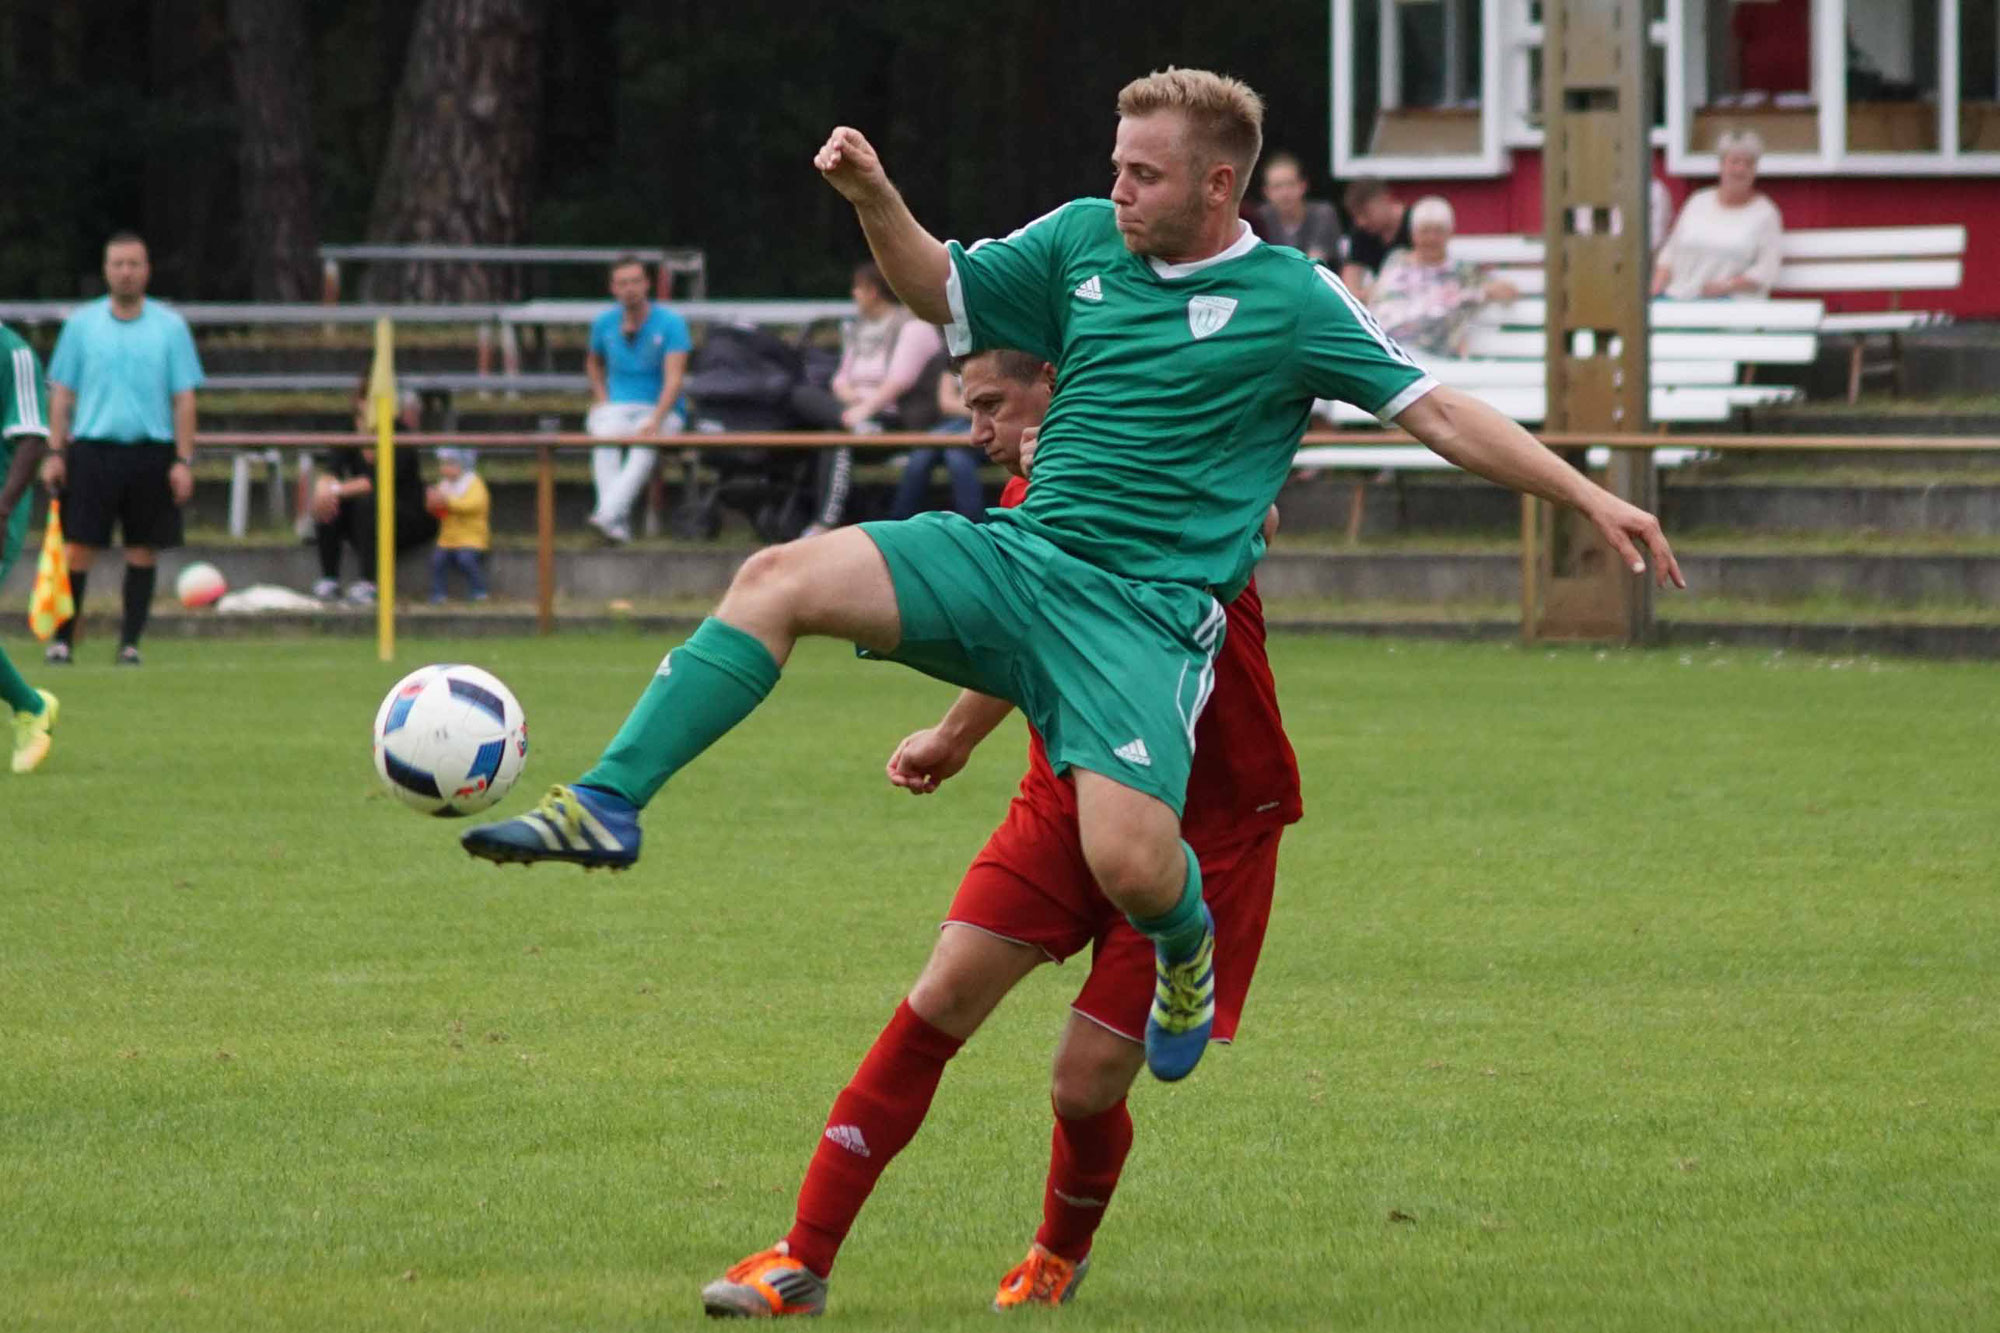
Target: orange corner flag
(50, 604)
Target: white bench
(1815, 260)
(1874, 259)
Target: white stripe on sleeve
(27, 402)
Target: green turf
(1605, 991)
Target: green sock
(1179, 930)
(15, 690)
(705, 687)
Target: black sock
(138, 602)
(66, 632)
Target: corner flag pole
(382, 408)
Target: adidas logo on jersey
(848, 1137)
(1134, 752)
(1090, 289)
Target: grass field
(1605, 990)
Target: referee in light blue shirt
(121, 435)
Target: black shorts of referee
(110, 484)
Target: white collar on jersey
(1243, 245)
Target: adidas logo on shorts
(1134, 752)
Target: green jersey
(24, 410)
(24, 394)
(1181, 389)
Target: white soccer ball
(200, 584)
(450, 740)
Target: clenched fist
(850, 165)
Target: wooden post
(545, 539)
(1596, 170)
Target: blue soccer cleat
(585, 826)
(1183, 1008)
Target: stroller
(741, 379)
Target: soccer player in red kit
(1029, 898)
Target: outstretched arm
(926, 758)
(913, 260)
(1480, 439)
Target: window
(1428, 89)
(1892, 77)
(1978, 76)
(1749, 65)
(1523, 60)
(1411, 80)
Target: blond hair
(1225, 116)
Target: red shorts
(1029, 884)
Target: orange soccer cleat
(1041, 1279)
(767, 1284)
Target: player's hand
(52, 471)
(1029, 435)
(923, 762)
(180, 480)
(849, 163)
(1628, 527)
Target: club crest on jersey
(1207, 314)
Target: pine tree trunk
(462, 146)
(269, 61)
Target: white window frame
(1829, 39)
(1490, 160)
(1522, 37)
(1507, 37)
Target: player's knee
(1087, 1082)
(950, 1002)
(1134, 872)
(770, 578)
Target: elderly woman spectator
(1423, 298)
(1725, 242)
(883, 355)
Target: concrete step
(589, 579)
(1410, 506)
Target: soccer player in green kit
(24, 432)
(1188, 355)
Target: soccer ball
(450, 740)
(200, 584)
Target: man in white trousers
(638, 357)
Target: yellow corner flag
(382, 411)
(50, 604)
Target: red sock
(1085, 1158)
(874, 1117)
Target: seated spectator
(1381, 224)
(637, 359)
(1423, 298)
(343, 507)
(462, 506)
(961, 463)
(883, 354)
(1287, 217)
(1725, 242)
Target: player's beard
(1174, 233)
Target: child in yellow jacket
(461, 502)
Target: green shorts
(1113, 672)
